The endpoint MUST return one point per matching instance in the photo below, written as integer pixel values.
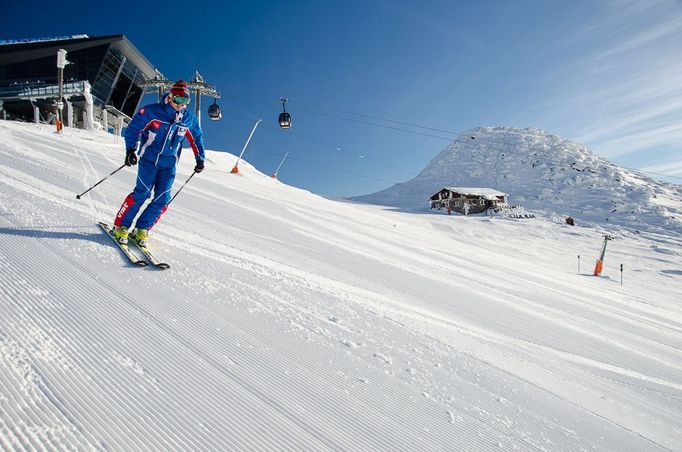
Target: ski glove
(131, 157)
(200, 166)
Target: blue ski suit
(157, 131)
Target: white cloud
(671, 168)
(624, 94)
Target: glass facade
(112, 66)
(118, 82)
(85, 66)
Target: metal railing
(38, 90)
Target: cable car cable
(459, 134)
(338, 148)
(257, 149)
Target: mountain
(291, 322)
(543, 172)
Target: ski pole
(180, 189)
(107, 177)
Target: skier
(161, 129)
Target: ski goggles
(181, 100)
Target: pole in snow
(621, 274)
(274, 176)
(578, 263)
(236, 165)
(600, 262)
(61, 64)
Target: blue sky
(607, 74)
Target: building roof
(476, 191)
(487, 193)
(16, 52)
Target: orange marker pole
(598, 267)
(600, 262)
(235, 169)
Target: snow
(289, 321)
(547, 173)
(488, 192)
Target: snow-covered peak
(547, 173)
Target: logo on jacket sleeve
(141, 111)
(182, 131)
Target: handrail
(40, 89)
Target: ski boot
(121, 234)
(141, 236)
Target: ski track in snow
(293, 322)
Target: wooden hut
(467, 200)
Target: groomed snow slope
(292, 322)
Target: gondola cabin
(214, 112)
(284, 120)
(284, 117)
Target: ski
(129, 254)
(149, 255)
